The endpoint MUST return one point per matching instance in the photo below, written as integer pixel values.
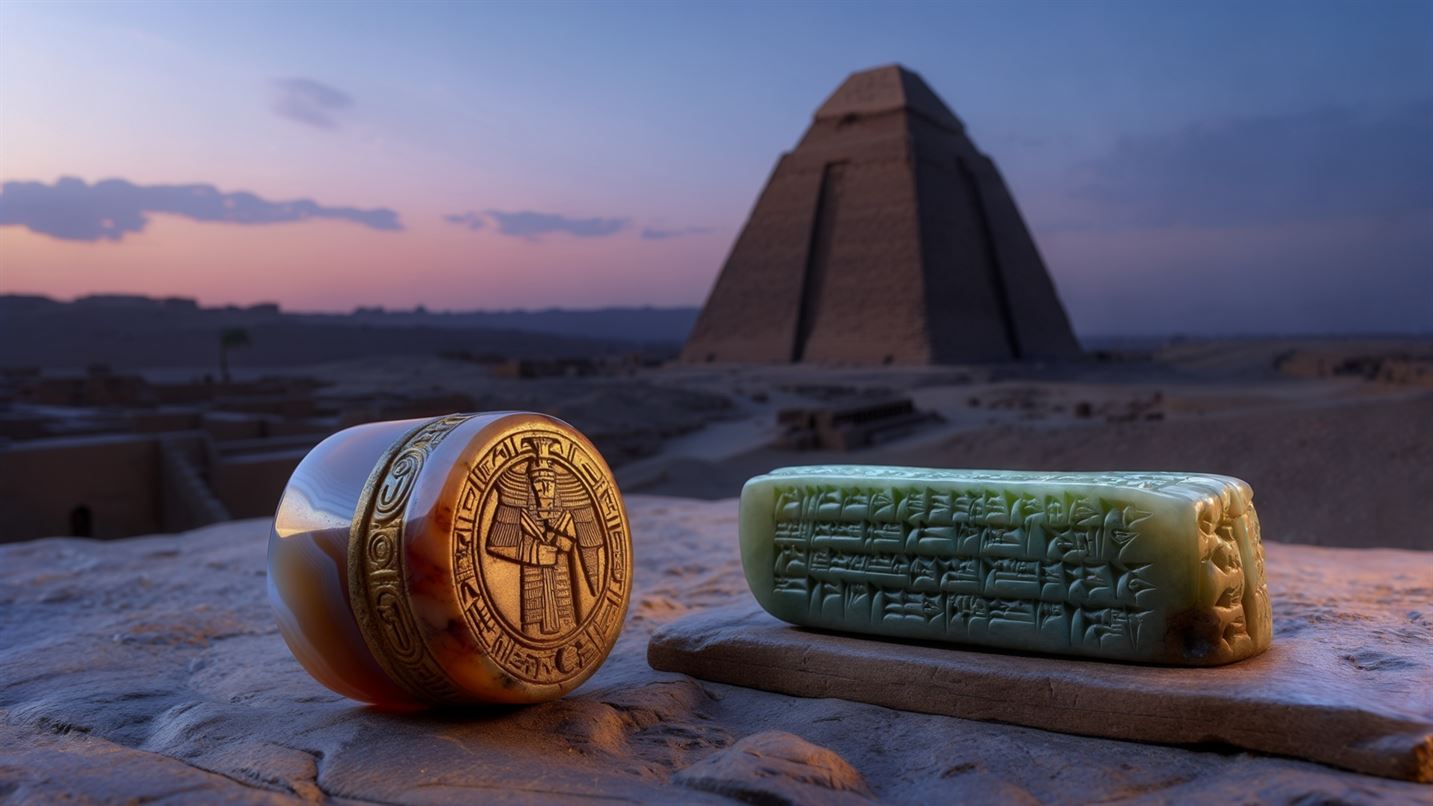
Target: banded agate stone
(1151, 567)
(467, 559)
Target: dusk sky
(1196, 168)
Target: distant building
(885, 237)
(116, 485)
(105, 455)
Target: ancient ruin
(884, 237)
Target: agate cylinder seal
(472, 558)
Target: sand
(1334, 461)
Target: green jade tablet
(1150, 567)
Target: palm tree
(229, 339)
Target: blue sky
(1208, 167)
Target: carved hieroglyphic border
(377, 583)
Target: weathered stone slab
(1346, 682)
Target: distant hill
(141, 332)
(665, 326)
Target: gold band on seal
(377, 579)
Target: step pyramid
(885, 237)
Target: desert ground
(1336, 437)
(150, 669)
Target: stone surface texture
(884, 237)
(151, 669)
(777, 766)
(1353, 661)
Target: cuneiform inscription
(979, 565)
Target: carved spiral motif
(393, 493)
(380, 549)
(376, 577)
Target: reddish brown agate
(469, 558)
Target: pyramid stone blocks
(884, 237)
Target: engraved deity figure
(545, 522)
